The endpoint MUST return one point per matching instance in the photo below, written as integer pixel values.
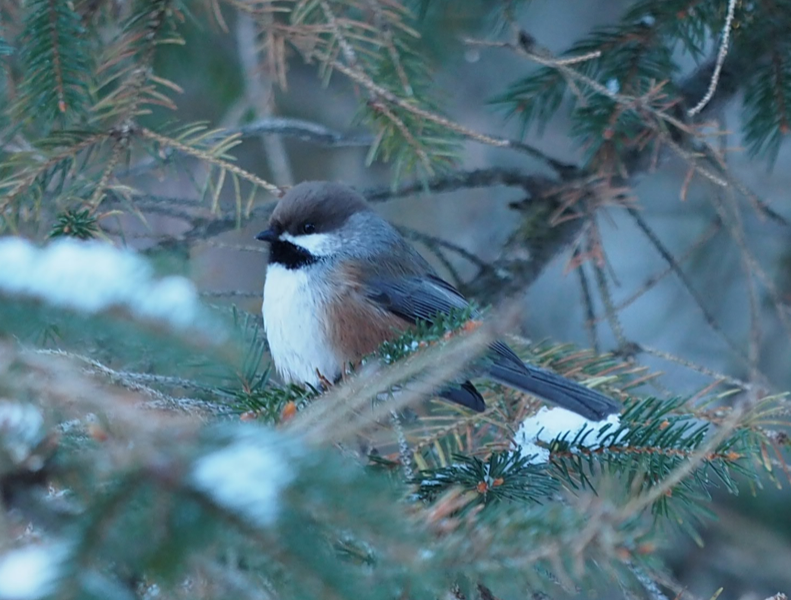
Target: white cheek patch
(318, 244)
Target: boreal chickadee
(341, 280)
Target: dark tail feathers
(554, 388)
(466, 395)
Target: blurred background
(748, 551)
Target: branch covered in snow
(31, 572)
(549, 424)
(94, 277)
(248, 475)
(21, 430)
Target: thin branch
(431, 240)
(657, 277)
(132, 382)
(230, 294)
(260, 249)
(56, 61)
(404, 452)
(383, 26)
(306, 131)
(738, 383)
(721, 54)
(649, 585)
(737, 232)
(587, 302)
(609, 308)
(204, 226)
(663, 251)
(457, 180)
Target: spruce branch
(54, 59)
(39, 168)
(210, 156)
(733, 381)
(306, 131)
(137, 383)
(122, 105)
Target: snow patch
(551, 423)
(92, 277)
(21, 430)
(247, 476)
(30, 573)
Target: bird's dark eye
(308, 228)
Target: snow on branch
(550, 423)
(31, 572)
(94, 277)
(248, 475)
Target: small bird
(341, 280)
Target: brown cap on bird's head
(315, 207)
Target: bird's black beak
(267, 235)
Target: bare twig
(744, 385)
(491, 140)
(306, 131)
(657, 277)
(260, 249)
(431, 240)
(711, 321)
(587, 302)
(609, 308)
(205, 226)
(457, 180)
(230, 294)
(649, 585)
(404, 453)
(737, 232)
(721, 54)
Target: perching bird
(341, 280)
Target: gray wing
(417, 297)
(422, 298)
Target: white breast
(297, 340)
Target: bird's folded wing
(415, 297)
(424, 297)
